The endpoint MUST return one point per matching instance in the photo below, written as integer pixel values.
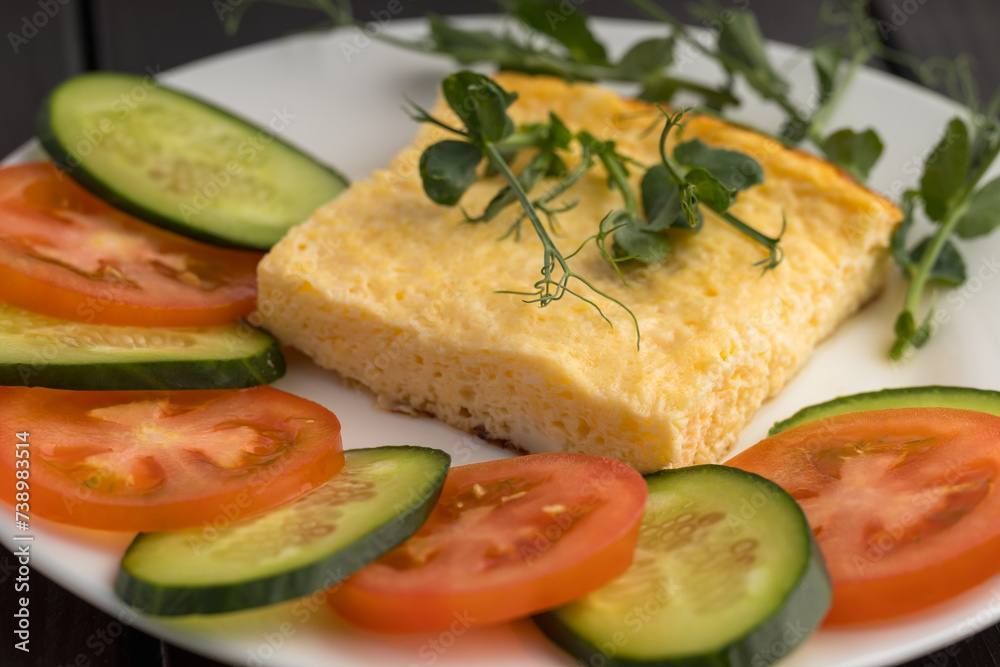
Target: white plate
(341, 98)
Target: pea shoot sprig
(953, 199)
(449, 167)
(669, 195)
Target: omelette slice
(393, 291)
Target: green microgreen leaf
(983, 214)
(633, 242)
(735, 171)
(647, 57)
(658, 90)
(909, 335)
(560, 136)
(661, 199)
(448, 169)
(855, 152)
(564, 22)
(633, 238)
(480, 103)
(945, 170)
(948, 268)
(710, 191)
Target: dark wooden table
(46, 41)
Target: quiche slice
(395, 292)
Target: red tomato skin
(899, 571)
(239, 493)
(372, 602)
(38, 202)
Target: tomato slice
(904, 503)
(67, 254)
(507, 539)
(163, 460)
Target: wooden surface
(130, 35)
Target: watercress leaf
(949, 267)
(710, 191)
(741, 41)
(945, 170)
(447, 169)
(983, 214)
(661, 200)
(826, 62)
(855, 152)
(633, 238)
(567, 24)
(648, 56)
(736, 171)
(480, 103)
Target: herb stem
(774, 252)
(821, 117)
(552, 255)
(921, 273)
(551, 252)
(617, 175)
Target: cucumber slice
(42, 351)
(181, 163)
(964, 398)
(726, 573)
(380, 498)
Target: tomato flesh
(67, 254)
(904, 503)
(164, 460)
(507, 539)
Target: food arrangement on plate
(689, 267)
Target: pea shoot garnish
(951, 196)
(669, 195)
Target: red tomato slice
(163, 460)
(904, 503)
(507, 539)
(67, 254)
